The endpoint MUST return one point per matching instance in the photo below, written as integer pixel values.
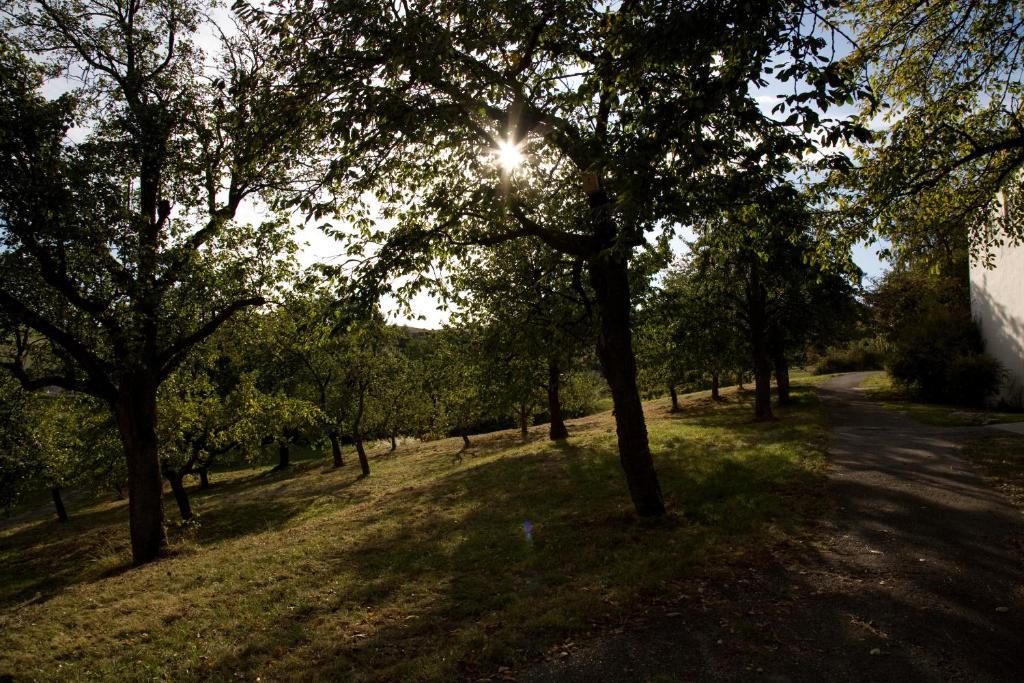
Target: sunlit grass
(421, 571)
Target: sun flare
(509, 156)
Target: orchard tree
(396, 400)
(690, 333)
(453, 383)
(118, 198)
(205, 408)
(368, 356)
(760, 262)
(534, 311)
(585, 127)
(17, 452)
(51, 440)
(304, 352)
(663, 362)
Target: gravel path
(917, 575)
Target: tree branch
(93, 366)
(175, 353)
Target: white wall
(997, 301)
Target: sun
(508, 155)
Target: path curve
(916, 575)
(935, 549)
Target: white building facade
(997, 302)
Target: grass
(423, 570)
(881, 388)
(1000, 457)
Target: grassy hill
(443, 563)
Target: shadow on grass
(523, 552)
(44, 557)
(442, 570)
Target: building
(997, 302)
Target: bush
(864, 354)
(973, 379)
(939, 356)
(936, 349)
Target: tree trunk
(465, 440)
(675, 399)
(204, 478)
(364, 464)
(762, 385)
(180, 495)
(357, 436)
(335, 448)
(782, 378)
(394, 443)
(136, 423)
(757, 317)
(284, 454)
(58, 503)
(557, 430)
(739, 381)
(524, 422)
(609, 276)
(715, 395)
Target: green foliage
(857, 355)
(17, 462)
(935, 347)
(529, 309)
(759, 276)
(692, 329)
(53, 439)
(973, 378)
(119, 248)
(946, 106)
(192, 145)
(453, 382)
(581, 392)
(891, 394)
(656, 123)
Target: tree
(534, 313)
(692, 335)
(396, 400)
(51, 440)
(201, 416)
(934, 347)
(946, 84)
(303, 351)
(625, 128)
(17, 462)
(364, 346)
(119, 245)
(452, 382)
(761, 262)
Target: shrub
(973, 379)
(936, 351)
(939, 356)
(864, 354)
